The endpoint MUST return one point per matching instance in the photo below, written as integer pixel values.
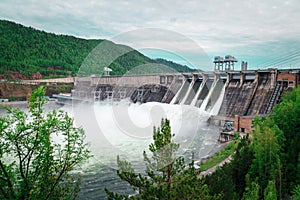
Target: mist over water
(126, 129)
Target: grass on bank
(219, 156)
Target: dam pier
(232, 97)
(240, 94)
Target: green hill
(27, 50)
(175, 66)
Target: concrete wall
(136, 80)
(51, 80)
(139, 80)
(247, 92)
(219, 120)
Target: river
(125, 129)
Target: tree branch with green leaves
(39, 151)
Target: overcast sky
(261, 32)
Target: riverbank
(218, 159)
(19, 91)
(213, 169)
(10, 103)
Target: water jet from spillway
(126, 129)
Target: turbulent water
(126, 129)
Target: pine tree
(266, 165)
(270, 191)
(287, 117)
(167, 177)
(251, 192)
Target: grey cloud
(216, 25)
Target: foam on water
(126, 129)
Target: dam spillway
(247, 92)
(243, 94)
(192, 93)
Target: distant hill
(26, 50)
(177, 67)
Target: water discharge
(207, 98)
(218, 104)
(125, 129)
(190, 88)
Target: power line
(281, 59)
(291, 53)
(285, 60)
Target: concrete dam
(230, 95)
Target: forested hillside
(27, 50)
(175, 66)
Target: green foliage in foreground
(167, 177)
(296, 193)
(38, 151)
(287, 117)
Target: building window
(169, 79)
(162, 80)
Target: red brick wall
(242, 124)
(289, 77)
(236, 123)
(246, 123)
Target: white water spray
(205, 102)
(217, 106)
(126, 129)
(188, 92)
(177, 94)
